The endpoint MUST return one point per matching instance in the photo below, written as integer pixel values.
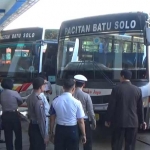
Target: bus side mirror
(147, 36)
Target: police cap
(80, 78)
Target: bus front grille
(100, 99)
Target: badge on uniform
(41, 105)
(52, 110)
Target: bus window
(112, 53)
(50, 59)
(17, 60)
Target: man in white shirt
(67, 111)
(48, 87)
(47, 108)
(46, 105)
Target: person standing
(68, 111)
(37, 134)
(125, 113)
(1, 126)
(47, 107)
(48, 87)
(86, 102)
(10, 100)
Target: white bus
(101, 47)
(24, 53)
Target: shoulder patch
(41, 105)
(52, 110)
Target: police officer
(88, 109)
(10, 100)
(37, 128)
(68, 111)
(125, 112)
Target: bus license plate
(97, 117)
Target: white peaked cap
(80, 78)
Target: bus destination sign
(107, 23)
(25, 34)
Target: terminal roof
(11, 9)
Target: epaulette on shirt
(39, 98)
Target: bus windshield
(105, 54)
(17, 60)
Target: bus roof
(122, 22)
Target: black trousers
(88, 131)
(11, 122)
(119, 134)
(66, 138)
(35, 138)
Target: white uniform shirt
(67, 109)
(46, 104)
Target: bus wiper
(103, 74)
(99, 69)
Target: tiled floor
(101, 140)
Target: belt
(66, 125)
(9, 111)
(48, 116)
